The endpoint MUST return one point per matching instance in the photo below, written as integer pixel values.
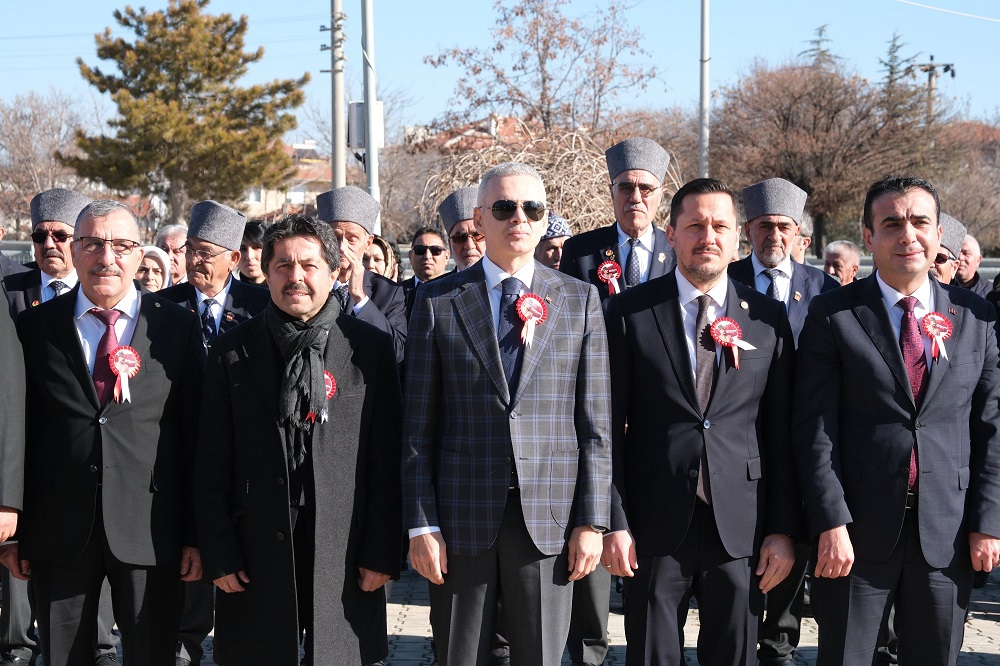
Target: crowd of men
(252, 428)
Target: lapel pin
(661, 258)
(609, 252)
(797, 296)
(229, 316)
(34, 303)
(548, 299)
(156, 304)
(953, 311)
(743, 304)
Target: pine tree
(185, 129)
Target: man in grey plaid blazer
(506, 456)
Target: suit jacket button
(280, 480)
(513, 415)
(280, 536)
(93, 468)
(693, 474)
(917, 425)
(102, 420)
(707, 424)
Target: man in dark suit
(704, 499)
(774, 209)
(637, 168)
(456, 213)
(222, 302)
(53, 216)
(428, 258)
(896, 441)
(967, 273)
(506, 464)
(352, 213)
(113, 384)
(304, 404)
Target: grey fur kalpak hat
(218, 224)
(637, 153)
(774, 196)
(57, 205)
(952, 234)
(458, 206)
(558, 227)
(348, 204)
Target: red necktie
(104, 377)
(912, 345)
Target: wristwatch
(598, 529)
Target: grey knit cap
(57, 205)
(348, 204)
(775, 196)
(637, 153)
(218, 224)
(558, 227)
(458, 206)
(952, 234)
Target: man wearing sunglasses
(456, 213)
(428, 259)
(352, 213)
(945, 261)
(637, 168)
(109, 475)
(506, 458)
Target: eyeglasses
(94, 245)
(57, 236)
(421, 250)
(461, 237)
(201, 255)
(504, 209)
(627, 188)
(943, 258)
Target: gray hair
(507, 169)
(167, 232)
(844, 248)
(101, 208)
(975, 243)
(806, 225)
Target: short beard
(703, 274)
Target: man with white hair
(842, 259)
(967, 275)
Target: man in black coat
(113, 385)
(428, 258)
(352, 213)
(298, 491)
(704, 499)
(636, 168)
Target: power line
(949, 11)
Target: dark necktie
(344, 296)
(772, 289)
(59, 287)
(104, 377)
(208, 322)
(912, 346)
(632, 272)
(704, 354)
(509, 332)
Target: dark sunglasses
(461, 237)
(943, 258)
(421, 250)
(505, 209)
(58, 236)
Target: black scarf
(303, 388)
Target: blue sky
(39, 41)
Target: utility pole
(703, 124)
(339, 131)
(932, 75)
(373, 124)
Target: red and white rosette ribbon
(938, 328)
(331, 384)
(609, 272)
(125, 364)
(727, 333)
(532, 311)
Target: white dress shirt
(925, 303)
(687, 296)
(49, 292)
(220, 303)
(643, 251)
(783, 281)
(90, 329)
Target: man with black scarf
(298, 468)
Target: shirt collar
(785, 266)
(891, 296)
(645, 240)
(494, 274)
(128, 305)
(687, 292)
(69, 280)
(219, 298)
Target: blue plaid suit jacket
(460, 420)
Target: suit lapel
(873, 316)
(472, 308)
(234, 311)
(658, 264)
(742, 271)
(546, 287)
(667, 312)
(797, 285)
(940, 367)
(139, 341)
(64, 328)
(741, 315)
